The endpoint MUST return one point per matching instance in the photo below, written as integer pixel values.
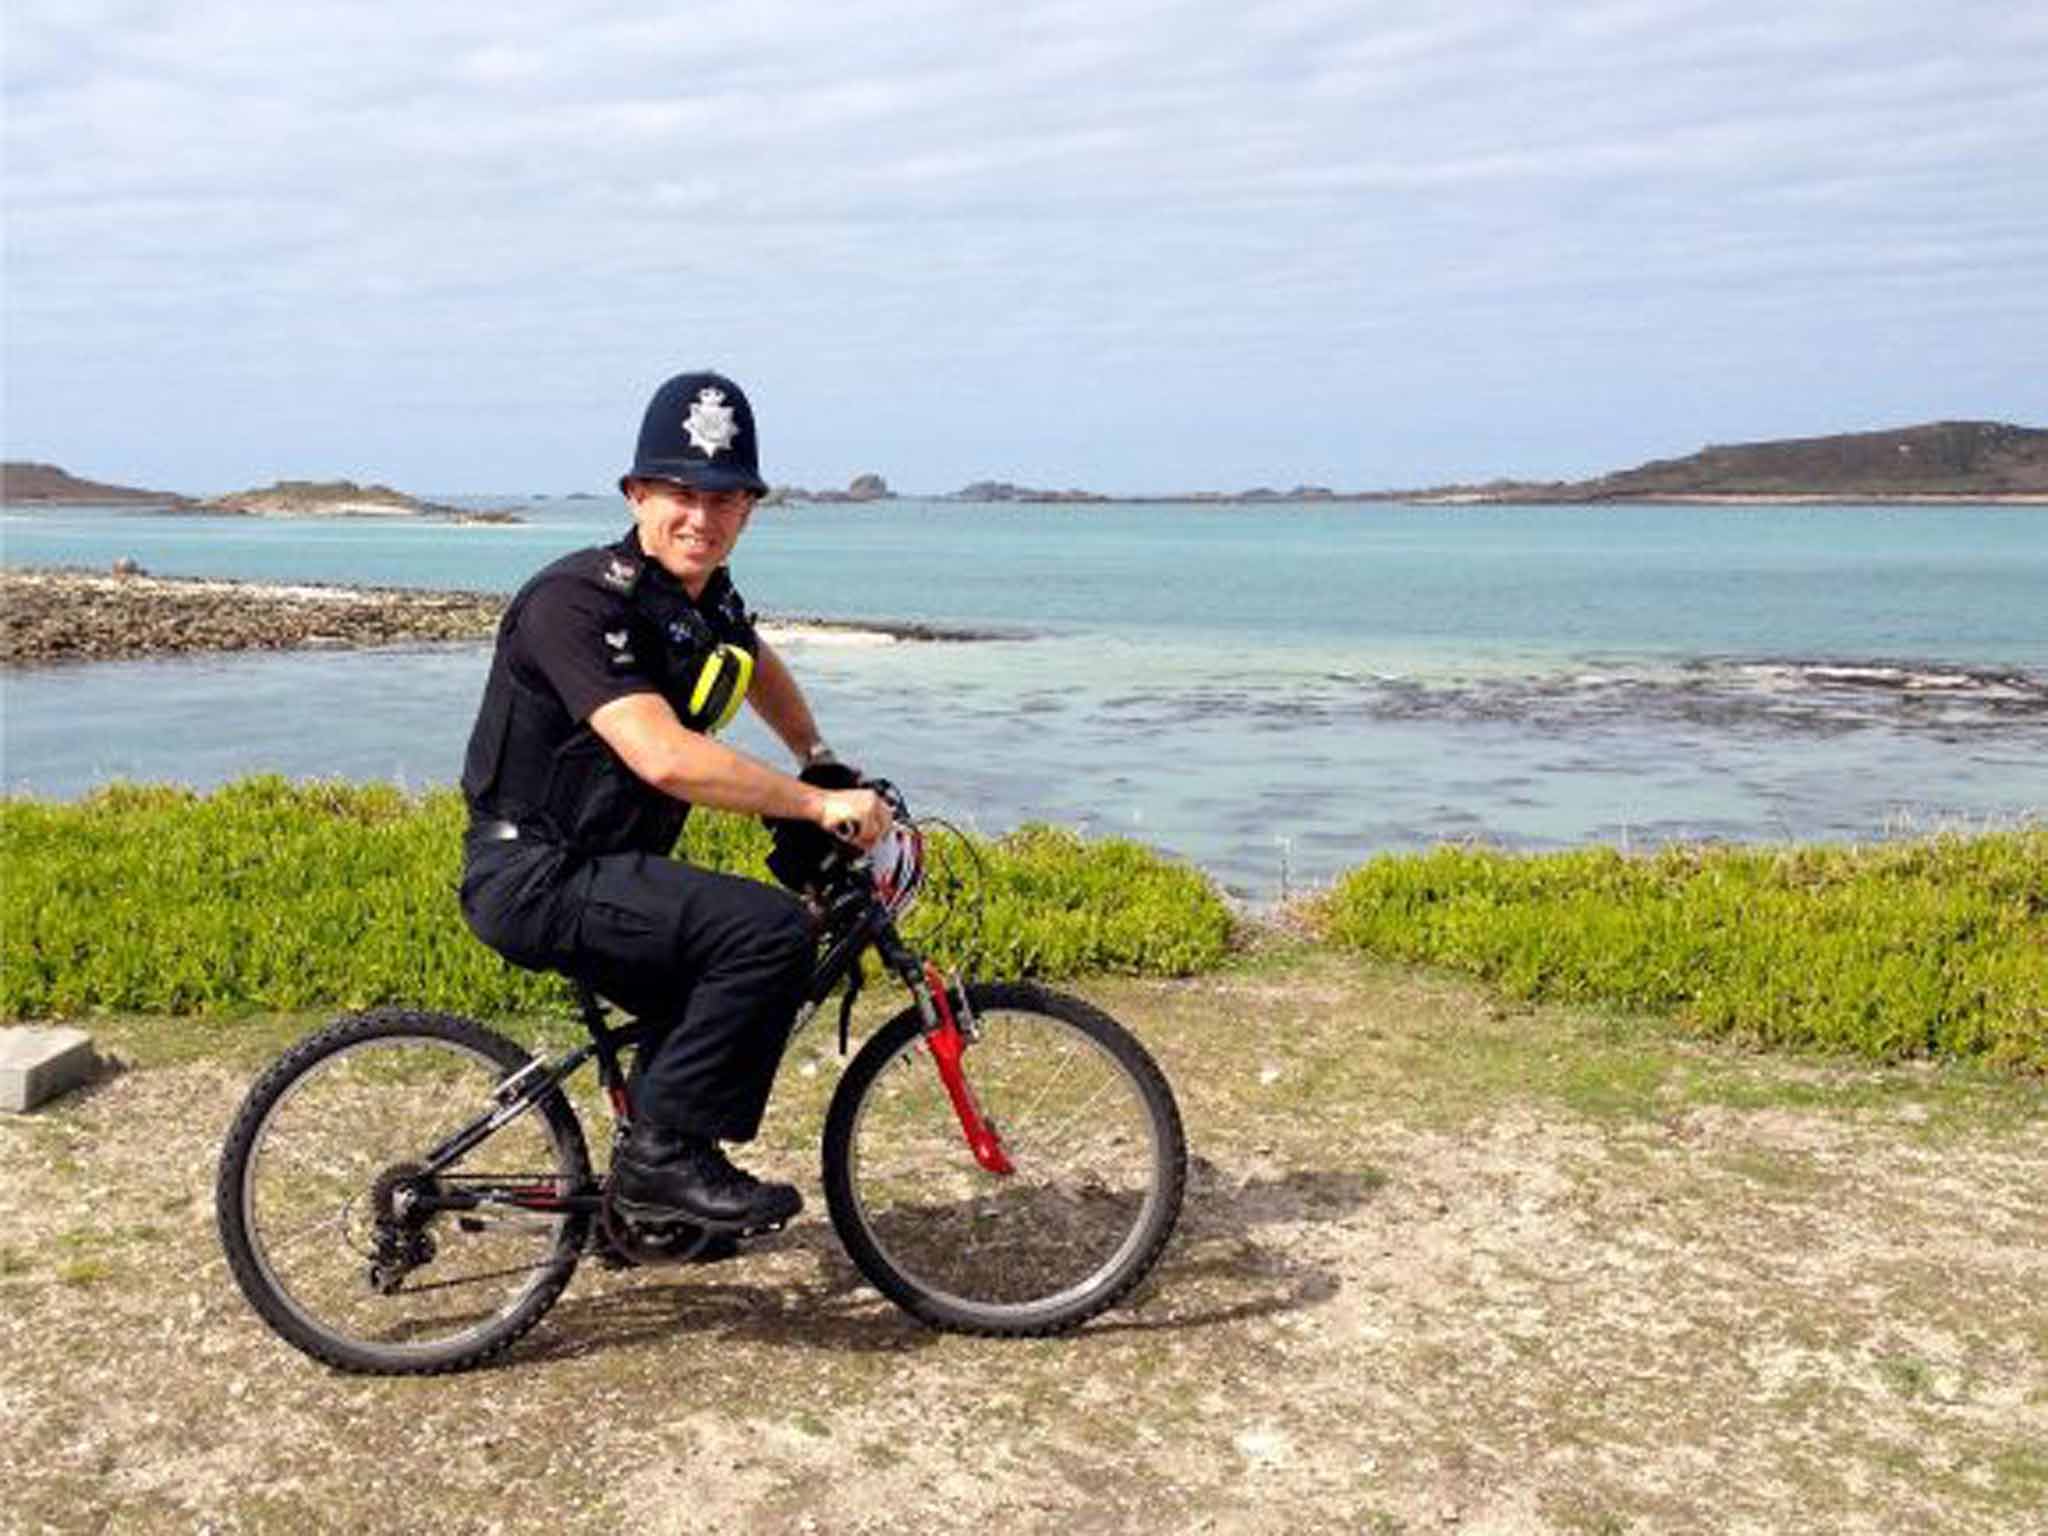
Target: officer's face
(688, 532)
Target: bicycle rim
(1091, 1131)
(315, 1225)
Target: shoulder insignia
(619, 573)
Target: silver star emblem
(710, 423)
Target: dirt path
(1442, 1268)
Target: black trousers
(721, 962)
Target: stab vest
(531, 762)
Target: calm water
(1273, 693)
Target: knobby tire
(296, 1207)
(1100, 1158)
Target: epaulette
(620, 573)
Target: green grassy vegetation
(1932, 948)
(275, 896)
(268, 898)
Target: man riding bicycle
(613, 667)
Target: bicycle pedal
(717, 1248)
(641, 1216)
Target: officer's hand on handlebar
(860, 816)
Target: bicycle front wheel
(348, 1248)
(1094, 1139)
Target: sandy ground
(1443, 1267)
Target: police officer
(613, 666)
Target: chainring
(625, 1243)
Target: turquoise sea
(1272, 692)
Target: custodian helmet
(699, 431)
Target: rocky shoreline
(68, 615)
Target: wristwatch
(819, 755)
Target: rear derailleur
(399, 1241)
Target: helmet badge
(710, 423)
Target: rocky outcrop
(866, 487)
(341, 498)
(1004, 490)
(48, 616)
(71, 615)
(318, 498)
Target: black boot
(659, 1173)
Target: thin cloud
(1400, 220)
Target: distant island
(24, 482)
(1942, 461)
(1937, 462)
(28, 483)
(869, 487)
(341, 498)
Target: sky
(1124, 245)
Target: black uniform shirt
(595, 626)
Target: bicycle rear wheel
(1093, 1135)
(319, 1197)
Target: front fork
(944, 1034)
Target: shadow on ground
(1217, 1270)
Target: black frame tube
(872, 927)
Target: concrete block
(38, 1064)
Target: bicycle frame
(853, 922)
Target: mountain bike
(408, 1192)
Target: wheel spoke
(336, 1134)
(1067, 1059)
(1096, 1148)
(1077, 1113)
(279, 1244)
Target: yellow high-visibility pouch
(721, 687)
